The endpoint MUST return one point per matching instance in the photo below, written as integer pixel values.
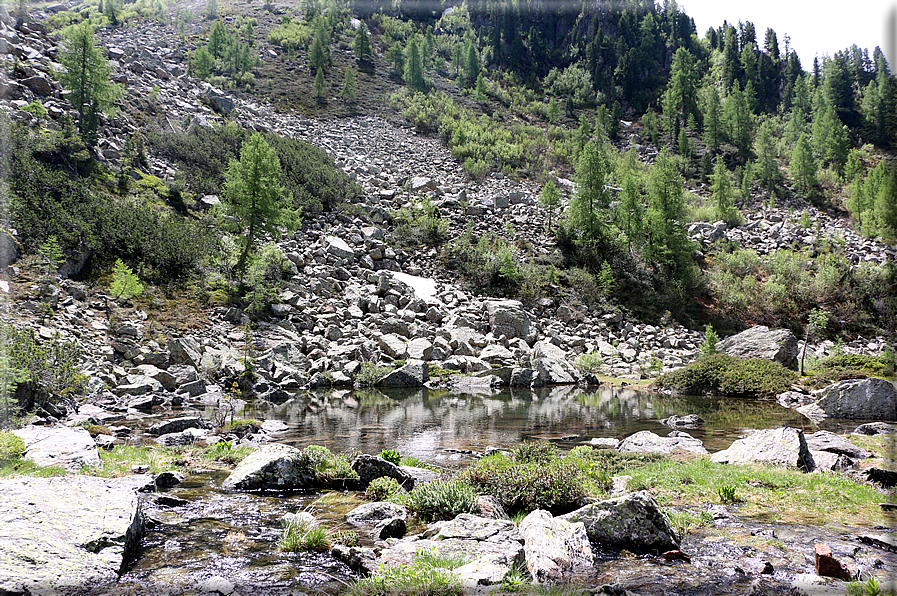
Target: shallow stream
(213, 534)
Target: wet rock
(177, 425)
(62, 535)
(632, 521)
(884, 477)
(554, 548)
(70, 448)
(361, 559)
(828, 566)
(824, 440)
(272, 467)
(773, 446)
(687, 421)
(647, 442)
(875, 428)
(793, 399)
(370, 514)
(389, 528)
(856, 399)
(779, 345)
(368, 467)
(492, 547)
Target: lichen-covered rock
(66, 535)
(632, 521)
(368, 467)
(858, 399)
(779, 345)
(774, 446)
(647, 442)
(413, 374)
(507, 317)
(554, 548)
(492, 546)
(272, 467)
(70, 448)
(369, 514)
(824, 440)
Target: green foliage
(442, 500)
(550, 198)
(589, 362)
(708, 346)
(803, 165)
(724, 375)
(11, 447)
(587, 212)
(291, 35)
(87, 75)
(125, 283)
(381, 489)
(52, 253)
(419, 578)
(370, 374)
(36, 108)
(421, 224)
(535, 452)
(320, 83)
(414, 69)
(349, 84)
(391, 455)
(726, 494)
(51, 365)
(870, 587)
(226, 452)
(361, 45)
(532, 483)
(301, 535)
(253, 194)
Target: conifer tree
(667, 241)
(713, 124)
(361, 45)
(253, 194)
(592, 198)
(319, 53)
(414, 71)
(395, 55)
(320, 84)
(764, 147)
(349, 84)
(87, 75)
(739, 120)
(550, 199)
(803, 164)
(722, 193)
(630, 210)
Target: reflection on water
(425, 423)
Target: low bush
(11, 447)
(370, 374)
(851, 366)
(391, 455)
(721, 374)
(381, 489)
(555, 486)
(329, 467)
(419, 578)
(50, 366)
(421, 224)
(442, 500)
(302, 534)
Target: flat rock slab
(70, 448)
(272, 467)
(63, 535)
(773, 446)
(647, 442)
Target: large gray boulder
(369, 514)
(856, 399)
(824, 440)
(554, 548)
(70, 448)
(774, 446)
(413, 374)
(272, 467)
(779, 345)
(368, 467)
(633, 521)
(493, 547)
(507, 317)
(552, 371)
(66, 535)
(177, 425)
(647, 442)
(185, 350)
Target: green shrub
(347, 538)
(391, 455)
(589, 362)
(51, 365)
(418, 579)
(11, 446)
(535, 452)
(421, 224)
(328, 466)
(721, 374)
(299, 535)
(442, 500)
(370, 374)
(380, 489)
(726, 493)
(555, 486)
